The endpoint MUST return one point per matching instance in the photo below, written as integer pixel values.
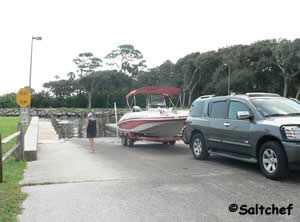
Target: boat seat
(136, 109)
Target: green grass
(8, 126)
(11, 196)
(10, 193)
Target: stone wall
(59, 113)
(75, 127)
(71, 124)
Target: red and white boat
(157, 122)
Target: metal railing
(75, 127)
(18, 148)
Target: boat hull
(158, 127)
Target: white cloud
(159, 29)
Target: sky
(160, 29)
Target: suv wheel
(184, 136)
(272, 160)
(198, 147)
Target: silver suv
(262, 128)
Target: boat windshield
(155, 101)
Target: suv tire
(272, 160)
(198, 147)
(184, 136)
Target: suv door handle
(227, 124)
(189, 121)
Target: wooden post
(60, 136)
(80, 127)
(106, 121)
(1, 166)
(19, 140)
(21, 147)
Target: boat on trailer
(158, 122)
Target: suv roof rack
(262, 95)
(206, 96)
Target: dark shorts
(91, 133)
(91, 129)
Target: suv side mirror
(242, 115)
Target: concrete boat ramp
(148, 182)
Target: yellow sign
(23, 98)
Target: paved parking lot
(149, 182)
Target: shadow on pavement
(294, 176)
(160, 148)
(181, 149)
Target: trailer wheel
(129, 141)
(172, 143)
(124, 140)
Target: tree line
(263, 66)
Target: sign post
(24, 116)
(23, 99)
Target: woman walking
(91, 131)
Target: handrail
(9, 152)
(9, 138)
(18, 148)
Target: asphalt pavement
(148, 182)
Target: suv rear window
(218, 109)
(197, 109)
